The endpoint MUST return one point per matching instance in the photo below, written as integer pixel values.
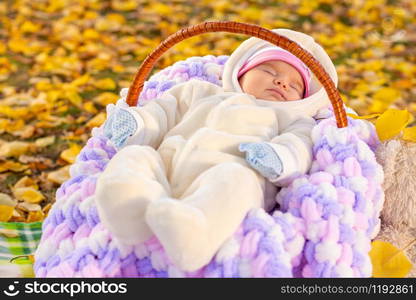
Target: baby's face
(273, 80)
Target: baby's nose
(280, 82)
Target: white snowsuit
(185, 179)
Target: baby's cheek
(253, 84)
(258, 86)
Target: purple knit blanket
(323, 228)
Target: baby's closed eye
(296, 87)
(270, 72)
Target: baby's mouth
(276, 93)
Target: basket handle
(248, 29)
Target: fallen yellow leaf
(12, 166)
(71, 153)
(25, 181)
(372, 116)
(387, 95)
(14, 148)
(17, 216)
(5, 199)
(26, 132)
(105, 84)
(74, 98)
(47, 208)
(59, 176)
(97, 120)
(2, 49)
(28, 26)
(403, 84)
(79, 120)
(17, 44)
(378, 106)
(4, 123)
(89, 107)
(44, 85)
(388, 261)
(26, 206)
(6, 213)
(124, 5)
(10, 233)
(409, 134)
(15, 112)
(28, 194)
(116, 18)
(44, 142)
(90, 34)
(162, 9)
(53, 95)
(14, 125)
(252, 13)
(35, 216)
(391, 123)
(106, 98)
(81, 80)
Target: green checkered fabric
(18, 239)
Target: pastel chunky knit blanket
(323, 228)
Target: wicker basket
(75, 243)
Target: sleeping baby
(194, 161)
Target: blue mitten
(119, 126)
(263, 158)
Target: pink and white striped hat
(277, 53)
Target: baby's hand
(262, 158)
(119, 126)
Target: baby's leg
(193, 229)
(134, 177)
